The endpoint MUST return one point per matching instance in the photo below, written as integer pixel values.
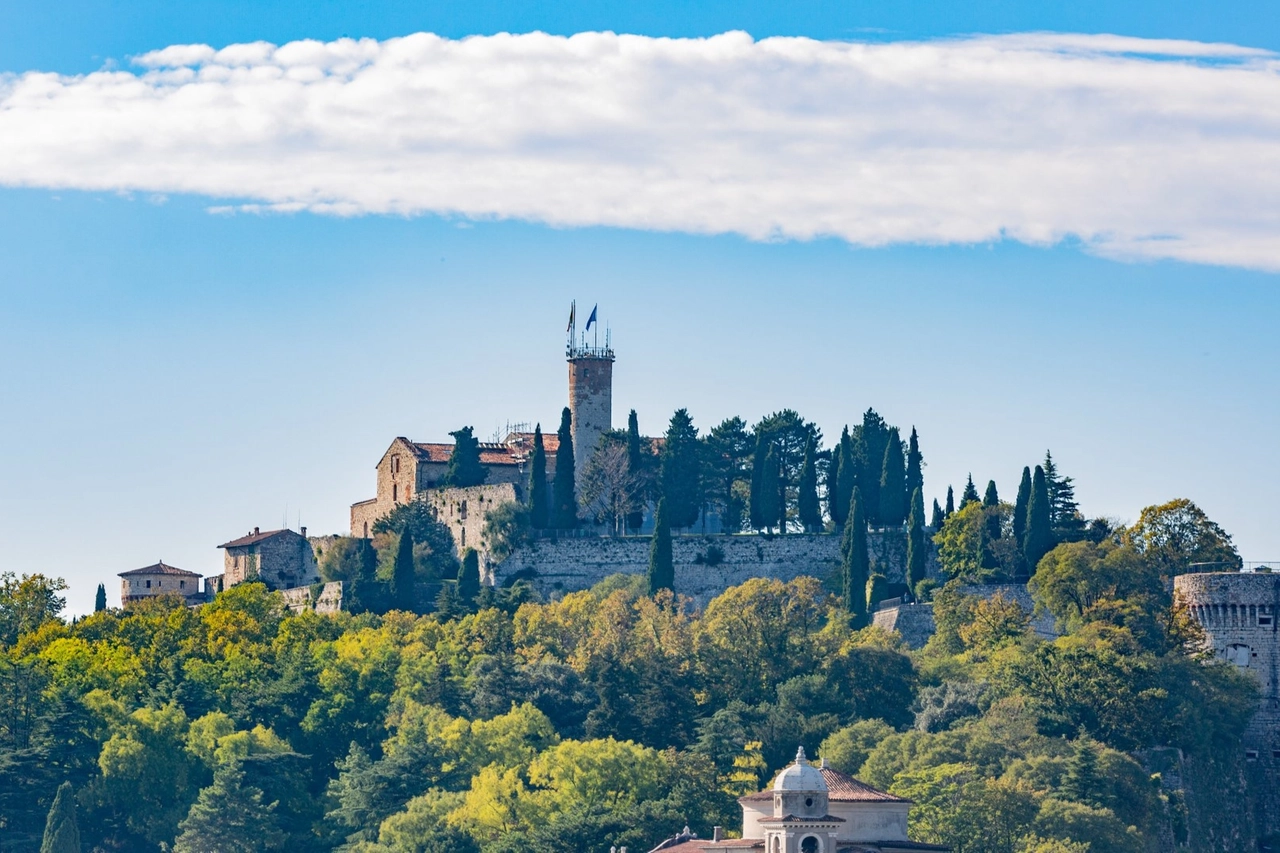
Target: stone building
(813, 809)
(160, 579)
(1239, 612)
(279, 558)
(590, 390)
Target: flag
(592, 318)
(569, 328)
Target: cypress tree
(771, 508)
(1039, 537)
(915, 540)
(61, 830)
(970, 495)
(100, 599)
(855, 568)
(402, 575)
(873, 436)
(564, 497)
(877, 590)
(893, 501)
(833, 486)
(936, 521)
(915, 469)
(464, 462)
(469, 577)
(635, 461)
(539, 511)
(848, 476)
(662, 572)
(757, 482)
(807, 506)
(1020, 508)
(991, 502)
(951, 502)
(681, 470)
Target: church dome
(801, 776)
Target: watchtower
(590, 385)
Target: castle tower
(1239, 614)
(590, 386)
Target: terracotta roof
(523, 441)
(159, 569)
(489, 454)
(841, 788)
(253, 538)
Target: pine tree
(991, 502)
(100, 599)
(893, 501)
(403, 594)
(938, 517)
(848, 481)
(448, 605)
(1082, 782)
(635, 461)
(916, 552)
(464, 462)
(661, 565)
(1039, 536)
(1064, 513)
(970, 495)
(834, 509)
(61, 830)
(1020, 508)
(681, 470)
(807, 507)
(469, 577)
(564, 497)
(855, 564)
(771, 507)
(915, 470)
(229, 817)
(539, 511)
(757, 483)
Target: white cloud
(1138, 148)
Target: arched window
(809, 845)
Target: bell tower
(590, 385)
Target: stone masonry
(464, 512)
(279, 558)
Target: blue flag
(592, 318)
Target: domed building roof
(801, 776)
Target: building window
(395, 492)
(464, 537)
(1251, 755)
(395, 464)
(148, 584)
(1265, 621)
(366, 530)
(809, 845)
(182, 584)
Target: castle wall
(1239, 612)
(464, 512)
(326, 599)
(913, 621)
(556, 566)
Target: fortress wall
(567, 565)
(299, 598)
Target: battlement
(1232, 601)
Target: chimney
(303, 532)
(255, 531)
(717, 833)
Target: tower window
(1251, 755)
(1265, 621)
(809, 845)
(148, 584)
(395, 492)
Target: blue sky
(174, 377)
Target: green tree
(834, 508)
(433, 546)
(788, 433)
(915, 469)
(848, 476)
(855, 564)
(506, 528)
(229, 817)
(970, 495)
(403, 577)
(916, 549)
(681, 477)
(1020, 507)
(469, 577)
(729, 446)
(564, 514)
(539, 508)
(951, 502)
(61, 831)
(1039, 537)
(809, 510)
(464, 462)
(991, 500)
(661, 563)
(772, 509)
(1064, 513)
(1081, 782)
(938, 516)
(869, 441)
(1177, 537)
(893, 498)
(28, 602)
(757, 517)
(100, 599)
(636, 467)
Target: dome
(801, 776)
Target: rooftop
(253, 538)
(160, 568)
(841, 788)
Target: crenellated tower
(590, 385)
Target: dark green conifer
(916, 545)
(230, 817)
(100, 599)
(61, 830)
(755, 507)
(539, 510)
(1020, 508)
(681, 479)
(1082, 781)
(807, 508)
(848, 475)
(834, 509)
(938, 517)
(464, 462)
(970, 495)
(1064, 513)
(951, 502)
(469, 577)
(893, 501)
(991, 502)
(877, 591)
(662, 570)
(771, 507)
(635, 461)
(564, 498)
(855, 563)
(915, 469)
(403, 594)
(1039, 537)
(870, 441)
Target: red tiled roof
(253, 538)
(489, 455)
(159, 569)
(524, 442)
(841, 788)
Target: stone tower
(590, 388)
(1239, 612)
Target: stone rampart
(913, 621)
(322, 598)
(557, 566)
